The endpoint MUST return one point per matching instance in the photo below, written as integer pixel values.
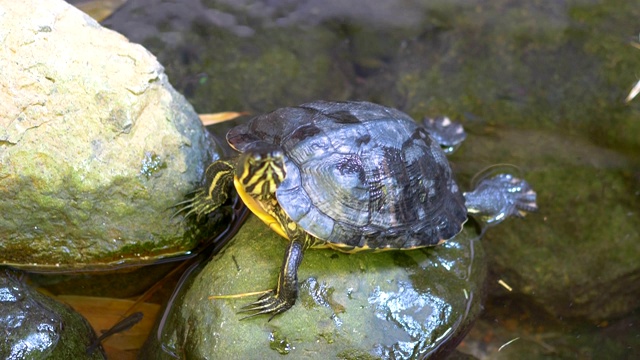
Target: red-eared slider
(351, 176)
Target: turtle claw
(496, 198)
(210, 197)
(270, 303)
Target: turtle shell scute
(360, 175)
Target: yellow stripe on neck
(257, 209)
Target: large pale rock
(95, 144)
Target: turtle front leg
(217, 187)
(285, 294)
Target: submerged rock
(394, 304)
(95, 145)
(230, 55)
(35, 326)
(578, 257)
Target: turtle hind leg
(215, 191)
(284, 296)
(449, 134)
(496, 198)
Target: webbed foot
(269, 303)
(496, 198)
(449, 134)
(284, 296)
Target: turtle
(351, 176)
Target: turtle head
(261, 170)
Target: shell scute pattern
(360, 175)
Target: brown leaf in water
(216, 118)
(102, 313)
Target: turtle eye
(276, 154)
(254, 159)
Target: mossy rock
(95, 146)
(393, 304)
(34, 326)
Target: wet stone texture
(390, 305)
(35, 326)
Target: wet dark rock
(95, 145)
(35, 326)
(394, 304)
(242, 55)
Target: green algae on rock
(394, 304)
(584, 264)
(38, 327)
(95, 145)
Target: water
(540, 85)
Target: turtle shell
(359, 175)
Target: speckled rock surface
(394, 304)
(95, 144)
